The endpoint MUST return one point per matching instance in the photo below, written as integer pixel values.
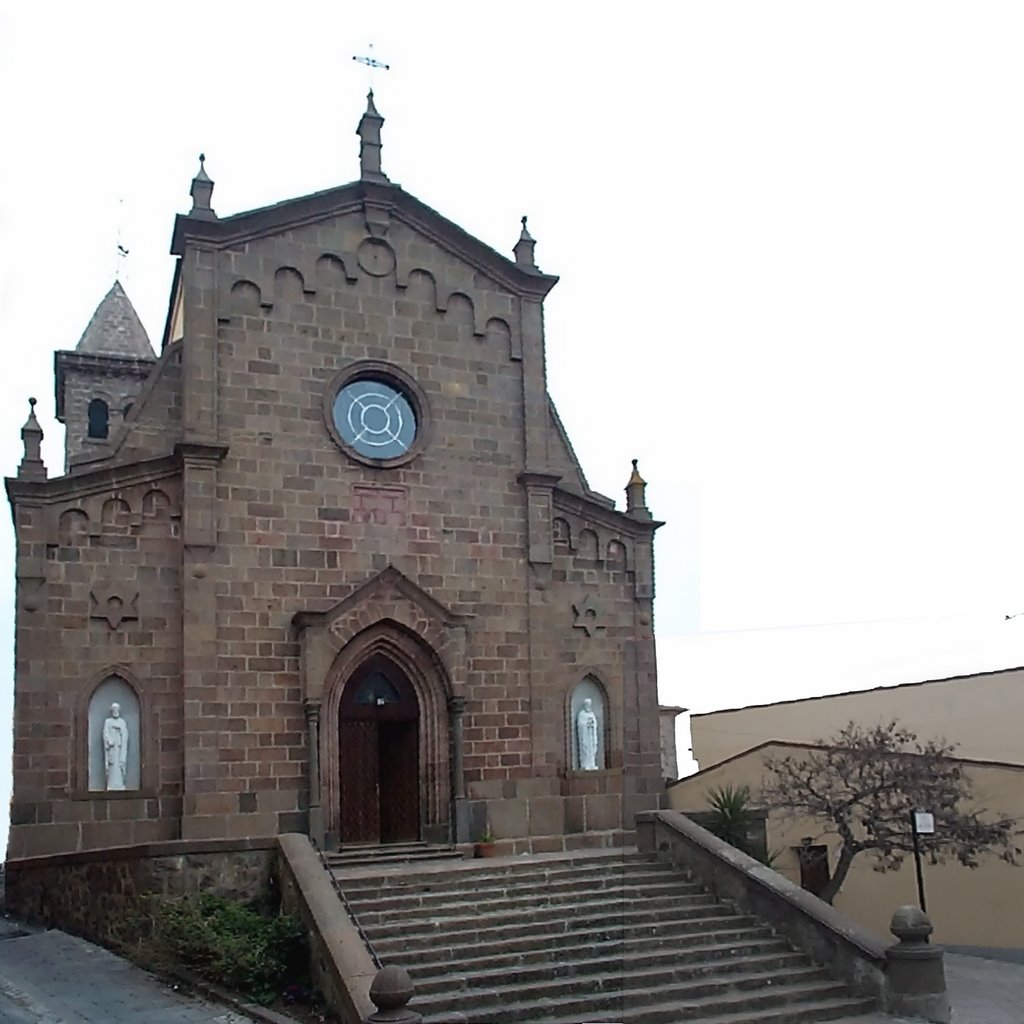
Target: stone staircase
(389, 855)
(608, 935)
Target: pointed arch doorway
(389, 618)
(379, 755)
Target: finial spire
(524, 248)
(32, 467)
(202, 192)
(636, 495)
(369, 143)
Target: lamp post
(922, 823)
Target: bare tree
(865, 782)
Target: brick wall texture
(259, 561)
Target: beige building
(979, 907)
(980, 713)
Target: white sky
(789, 236)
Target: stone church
(328, 563)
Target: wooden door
(398, 751)
(378, 734)
(814, 872)
(360, 800)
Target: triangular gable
(379, 203)
(388, 595)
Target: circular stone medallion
(375, 257)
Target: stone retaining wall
(99, 894)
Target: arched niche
(587, 546)
(616, 555)
(561, 533)
(588, 689)
(245, 298)
(72, 526)
(114, 690)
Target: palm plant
(731, 817)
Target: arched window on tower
(99, 419)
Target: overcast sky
(789, 241)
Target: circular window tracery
(376, 413)
(375, 418)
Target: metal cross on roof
(372, 64)
(122, 252)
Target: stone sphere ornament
(911, 924)
(390, 992)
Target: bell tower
(97, 383)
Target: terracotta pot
(484, 849)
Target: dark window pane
(378, 689)
(99, 416)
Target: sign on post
(924, 823)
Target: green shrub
(232, 945)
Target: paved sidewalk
(53, 978)
(980, 992)
(985, 991)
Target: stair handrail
(348, 906)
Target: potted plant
(485, 845)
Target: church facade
(328, 563)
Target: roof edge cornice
(293, 213)
(591, 508)
(92, 481)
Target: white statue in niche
(115, 748)
(586, 736)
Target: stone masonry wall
(258, 515)
(97, 596)
(101, 896)
(301, 525)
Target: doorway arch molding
(391, 616)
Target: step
(439, 906)
(381, 887)
(510, 885)
(636, 953)
(457, 874)
(610, 919)
(390, 854)
(569, 974)
(811, 1011)
(691, 998)
(497, 939)
(533, 948)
